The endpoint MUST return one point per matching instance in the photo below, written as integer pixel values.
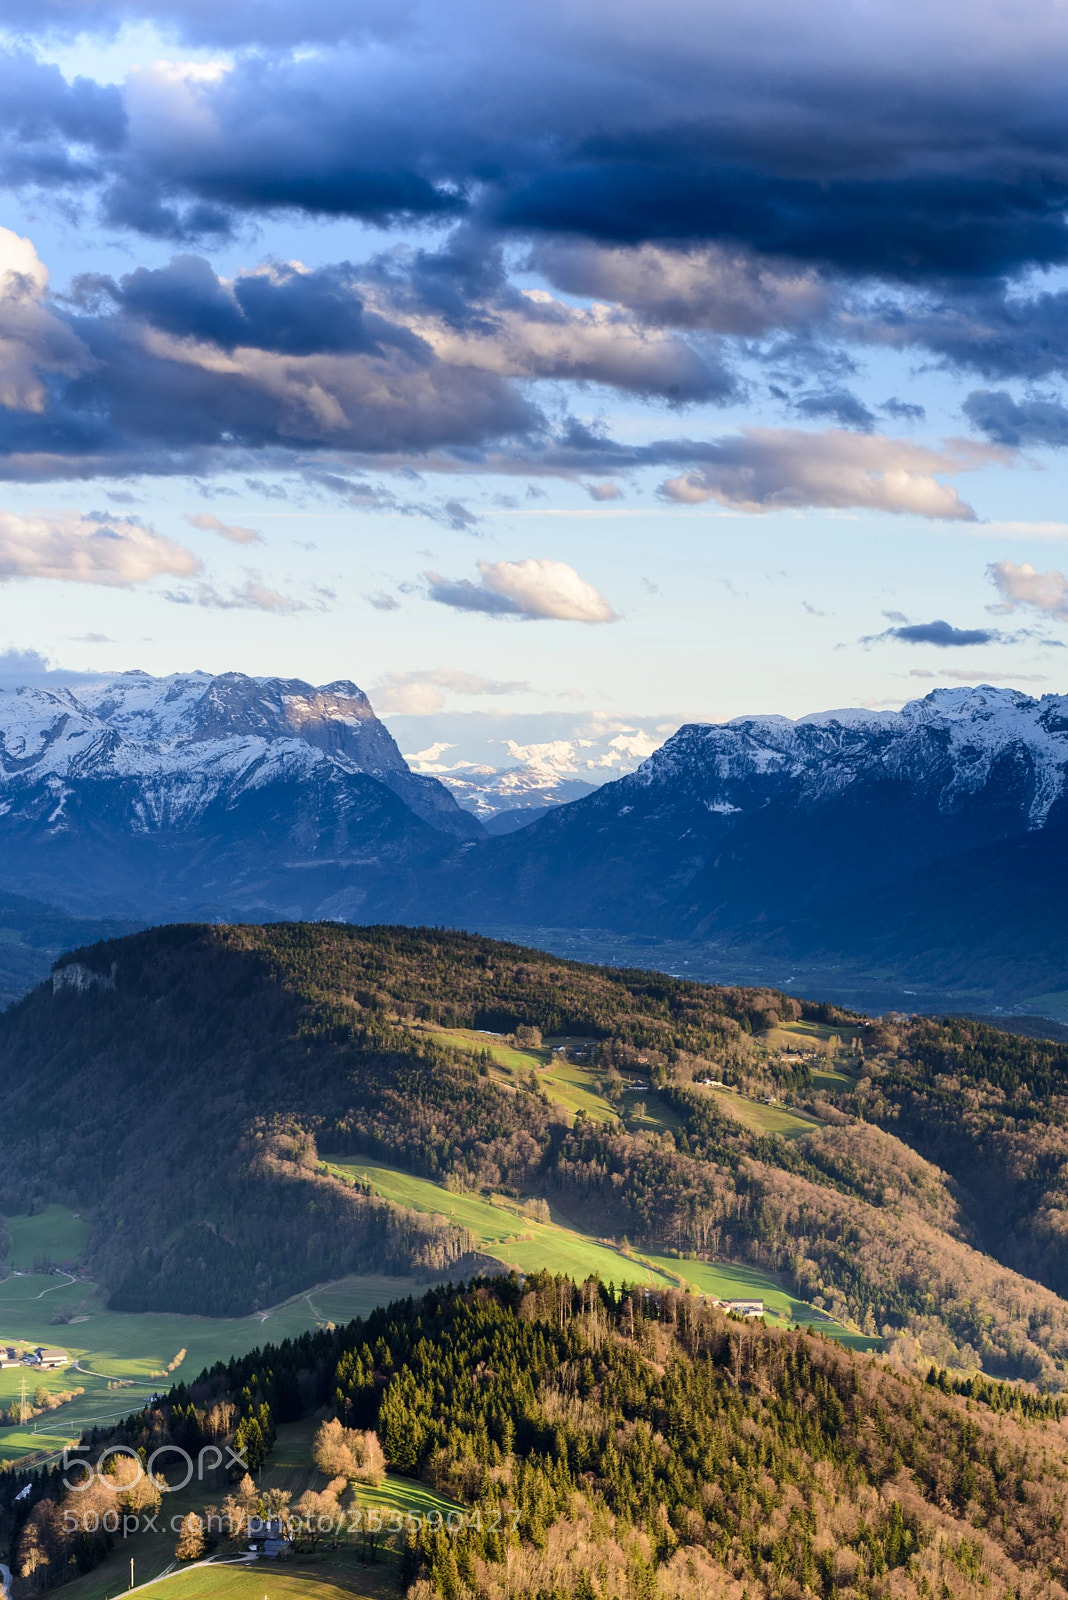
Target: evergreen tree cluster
(653, 1445)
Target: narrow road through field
(189, 1566)
(55, 1286)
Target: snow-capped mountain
(954, 744)
(937, 834)
(149, 794)
(734, 829)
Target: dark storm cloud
(938, 633)
(1018, 423)
(282, 309)
(55, 134)
(174, 370)
(996, 330)
(783, 130)
(839, 405)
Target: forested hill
(638, 1446)
(182, 1086)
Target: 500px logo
(209, 1459)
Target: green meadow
(517, 1241)
(119, 1358)
(761, 1118)
(54, 1234)
(569, 1084)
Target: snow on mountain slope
(955, 741)
(178, 744)
(734, 828)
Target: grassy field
(499, 1229)
(725, 1281)
(120, 1359)
(505, 1055)
(330, 1576)
(490, 1221)
(559, 1247)
(760, 1118)
(830, 1080)
(54, 1234)
(569, 1084)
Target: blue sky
(538, 362)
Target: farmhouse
(9, 1356)
(47, 1358)
(743, 1308)
(269, 1535)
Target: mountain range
(142, 796)
(928, 842)
(932, 840)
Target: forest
(641, 1444)
(184, 1101)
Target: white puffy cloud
(769, 469)
(1020, 584)
(536, 590)
(226, 530)
(88, 549)
(31, 338)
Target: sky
(546, 369)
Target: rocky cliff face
(151, 795)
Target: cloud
(767, 469)
(225, 530)
(565, 124)
(175, 370)
(383, 601)
(533, 589)
(1022, 585)
(844, 407)
(903, 410)
(603, 491)
(458, 517)
(73, 548)
(997, 329)
(730, 291)
(29, 668)
(252, 595)
(421, 693)
(962, 675)
(1018, 423)
(938, 633)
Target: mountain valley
(266, 1127)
